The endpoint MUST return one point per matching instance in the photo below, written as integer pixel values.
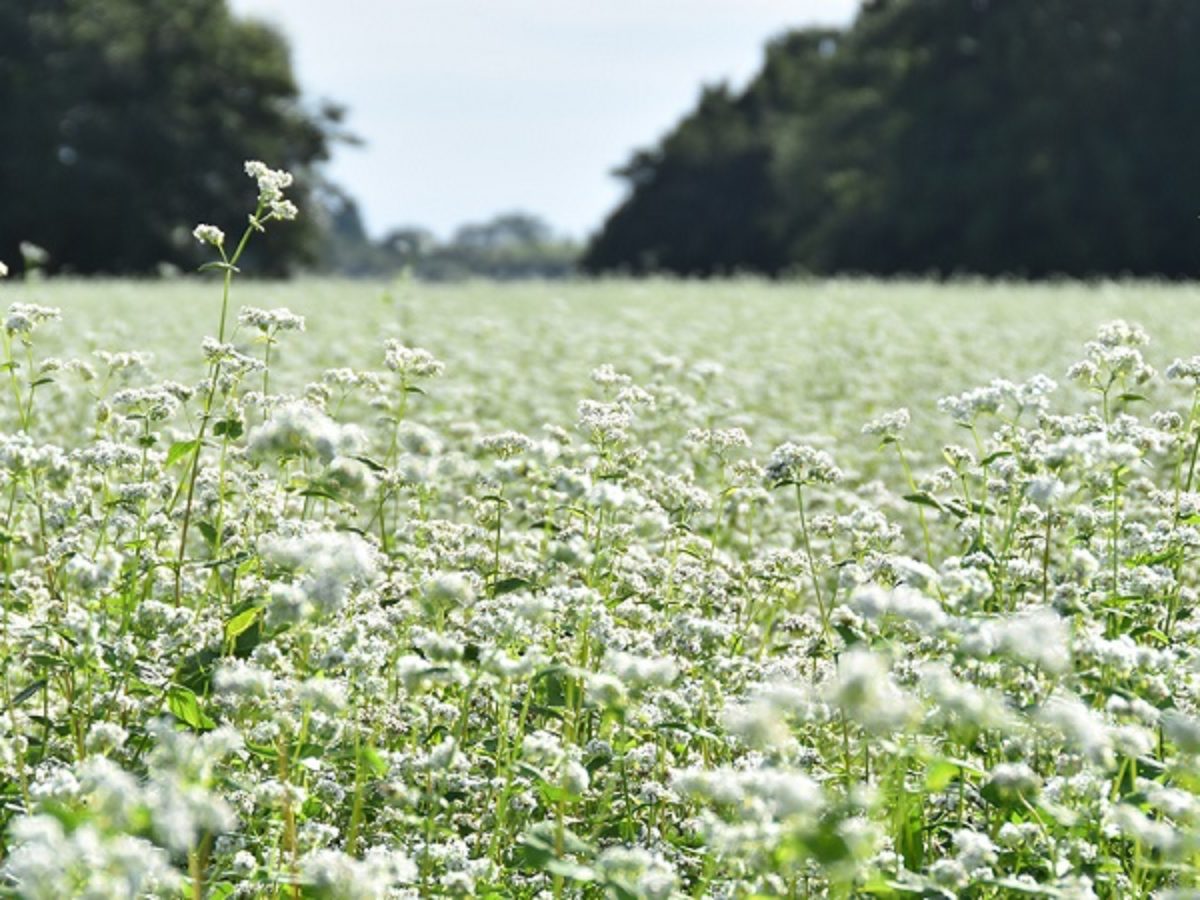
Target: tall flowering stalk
(271, 206)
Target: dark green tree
(943, 136)
(124, 122)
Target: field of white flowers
(625, 590)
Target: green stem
(812, 566)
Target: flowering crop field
(601, 590)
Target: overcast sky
(474, 107)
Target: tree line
(1002, 137)
(123, 122)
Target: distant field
(798, 359)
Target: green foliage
(510, 246)
(141, 112)
(936, 136)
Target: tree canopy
(125, 122)
(999, 137)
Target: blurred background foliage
(126, 121)
(998, 137)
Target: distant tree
(704, 201)
(507, 230)
(126, 121)
(509, 246)
(989, 136)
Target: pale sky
(474, 107)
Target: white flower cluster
(271, 185)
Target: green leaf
(370, 757)
(229, 428)
(241, 622)
(939, 773)
(27, 692)
(370, 463)
(184, 706)
(1018, 886)
(320, 493)
(570, 870)
(179, 450)
(924, 498)
(209, 532)
(508, 585)
(219, 265)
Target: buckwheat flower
(607, 376)
(284, 210)
(24, 318)
(443, 757)
(606, 420)
(719, 440)
(271, 182)
(506, 444)
(333, 875)
(104, 737)
(605, 691)
(1083, 728)
(1182, 730)
(542, 748)
(795, 464)
(865, 692)
(244, 864)
(270, 320)
(913, 573)
(411, 361)
(327, 566)
(759, 724)
(889, 426)
(324, 694)
(965, 587)
(958, 702)
(298, 429)
(209, 234)
(47, 863)
(974, 850)
(241, 678)
(33, 254)
(964, 408)
(949, 873)
(57, 785)
(448, 590)
(1185, 369)
(110, 790)
(1119, 332)
(574, 778)
(641, 671)
(1085, 370)
(1044, 490)
(875, 603)
(1162, 837)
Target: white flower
(298, 429)
(795, 464)
(270, 320)
(23, 318)
(411, 361)
(209, 234)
